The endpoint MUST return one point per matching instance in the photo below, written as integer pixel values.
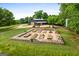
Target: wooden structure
(38, 22)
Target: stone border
(18, 37)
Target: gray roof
(41, 22)
(38, 19)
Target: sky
(21, 10)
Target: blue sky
(21, 10)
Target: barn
(39, 22)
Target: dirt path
(23, 26)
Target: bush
(74, 24)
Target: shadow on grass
(5, 29)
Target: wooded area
(67, 11)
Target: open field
(22, 48)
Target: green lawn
(21, 48)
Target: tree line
(6, 17)
(38, 15)
(71, 12)
(68, 11)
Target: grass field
(21, 48)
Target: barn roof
(38, 19)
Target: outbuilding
(39, 22)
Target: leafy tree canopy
(40, 14)
(6, 17)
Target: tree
(45, 15)
(50, 20)
(22, 20)
(29, 20)
(17, 21)
(6, 17)
(40, 14)
(71, 12)
(26, 20)
(53, 19)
